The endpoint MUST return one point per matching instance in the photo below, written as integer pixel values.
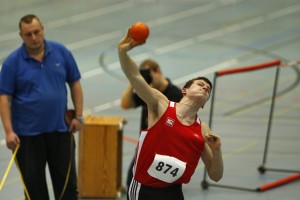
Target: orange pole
(279, 182)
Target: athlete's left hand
(213, 141)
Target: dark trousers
(55, 150)
(138, 191)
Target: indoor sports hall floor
(188, 38)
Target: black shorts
(137, 191)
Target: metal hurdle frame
(262, 169)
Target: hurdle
(262, 169)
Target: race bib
(166, 168)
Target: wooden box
(100, 157)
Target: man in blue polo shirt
(33, 103)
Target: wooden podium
(100, 157)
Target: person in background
(153, 75)
(33, 105)
(169, 150)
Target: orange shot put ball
(139, 31)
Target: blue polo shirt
(38, 90)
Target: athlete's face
(32, 35)
(199, 88)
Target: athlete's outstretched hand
(127, 43)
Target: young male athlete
(170, 148)
(152, 73)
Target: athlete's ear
(183, 91)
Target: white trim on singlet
(198, 120)
(141, 141)
(172, 104)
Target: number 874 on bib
(166, 168)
